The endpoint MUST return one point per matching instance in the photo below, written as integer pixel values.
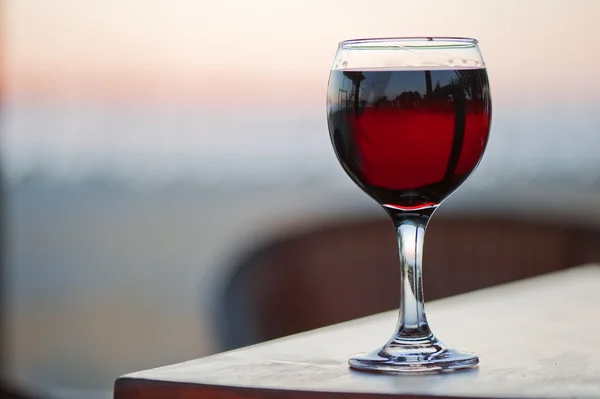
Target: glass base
(414, 357)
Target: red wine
(409, 138)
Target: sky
(145, 88)
(265, 52)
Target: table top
(536, 338)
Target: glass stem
(410, 227)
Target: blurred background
(170, 190)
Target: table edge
(128, 388)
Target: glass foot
(414, 357)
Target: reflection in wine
(409, 138)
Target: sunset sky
(265, 52)
(191, 87)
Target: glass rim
(412, 42)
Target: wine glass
(409, 120)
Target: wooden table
(536, 338)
